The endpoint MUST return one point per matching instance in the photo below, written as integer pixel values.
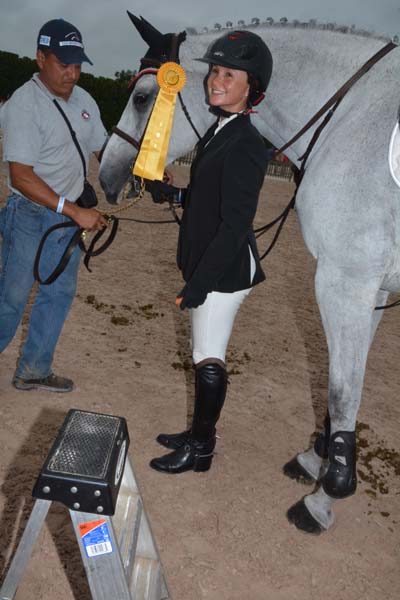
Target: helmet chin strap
(220, 112)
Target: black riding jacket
(220, 204)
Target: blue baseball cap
(64, 40)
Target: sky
(112, 43)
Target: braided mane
(295, 24)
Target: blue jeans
(22, 225)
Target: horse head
(122, 148)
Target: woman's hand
(190, 297)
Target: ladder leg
(101, 556)
(147, 580)
(24, 550)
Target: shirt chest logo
(85, 115)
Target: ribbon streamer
(150, 162)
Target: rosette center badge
(171, 77)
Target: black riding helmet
(242, 50)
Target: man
(45, 178)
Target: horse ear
(148, 33)
(181, 37)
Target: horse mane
(284, 23)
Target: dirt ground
(222, 535)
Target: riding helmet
(242, 50)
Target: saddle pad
(394, 155)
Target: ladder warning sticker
(96, 538)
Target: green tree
(110, 94)
(124, 76)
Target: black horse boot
(296, 470)
(196, 453)
(321, 444)
(340, 480)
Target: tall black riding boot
(197, 451)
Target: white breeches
(212, 324)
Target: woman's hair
(254, 89)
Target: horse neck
(310, 65)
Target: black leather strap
(65, 257)
(73, 135)
(74, 241)
(91, 251)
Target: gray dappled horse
(347, 203)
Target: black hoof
(299, 515)
(294, 470)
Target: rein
(331, 104)
(76, 240)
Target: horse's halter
(150, 66)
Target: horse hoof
(294, 470)
(299, 515)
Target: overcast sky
(113, 44)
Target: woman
(217, 251)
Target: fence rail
(275, 169)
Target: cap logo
(71, 44)
(74, 35)
(218, 53)
(44, 40)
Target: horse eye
(140, 99)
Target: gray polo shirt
(36, 134)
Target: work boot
(197, 445)
(51, 383)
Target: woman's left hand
(190, 297)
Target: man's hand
(88, 218)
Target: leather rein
(329, 107)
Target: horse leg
(309, 466)
(346, 302)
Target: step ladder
(89, 471)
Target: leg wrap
(340, 479)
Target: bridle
(150, 67)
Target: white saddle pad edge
(394, 155)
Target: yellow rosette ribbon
(150, 162)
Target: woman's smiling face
(227, 88)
